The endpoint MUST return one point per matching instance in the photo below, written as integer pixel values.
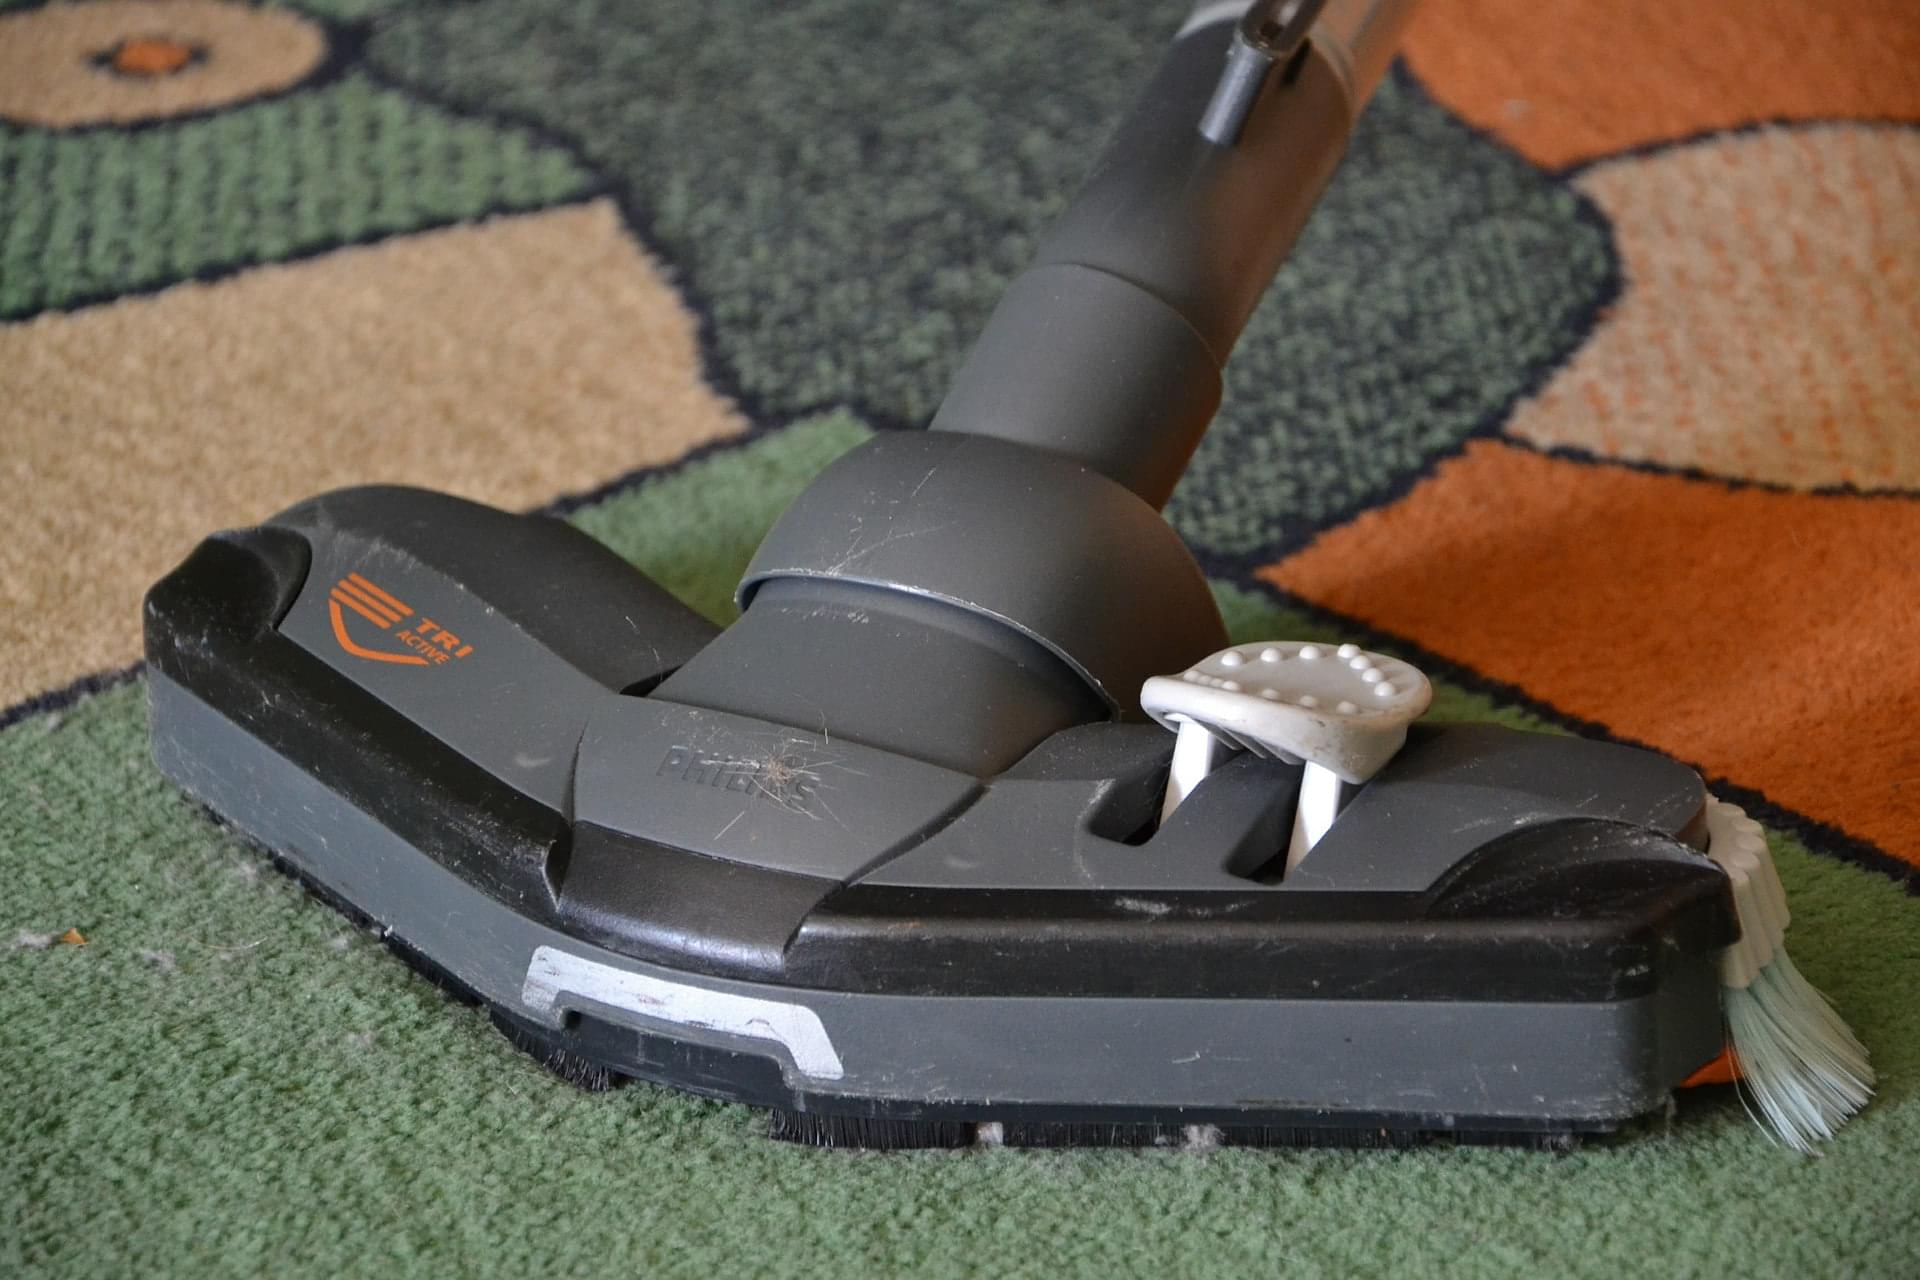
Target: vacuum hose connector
(1108, 349)
(960, 595)
(1273, 33)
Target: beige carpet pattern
(509, 362)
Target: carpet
(1592, 388)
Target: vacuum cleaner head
(902, 853)
(441, 715)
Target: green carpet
(87, 215)
(228, 1079)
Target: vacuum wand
(1109, 347)
(1008, 546)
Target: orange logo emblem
(406, 638)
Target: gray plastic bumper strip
(1561, 1062)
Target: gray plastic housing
(1109, 348)
(961, 594)
(844, 928)
(957, 598)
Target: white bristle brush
(1802, 1067)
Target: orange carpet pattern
(1567, 81)
(1702, 530)
(1772, 327)
(1769, 638)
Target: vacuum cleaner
(974, 828)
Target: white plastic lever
(1340, 712)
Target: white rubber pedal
(1338, 710)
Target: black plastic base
(575, 1056)
(1507, 882)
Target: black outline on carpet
(1818, 836)
(1288, 535)
(629, 481)
(1588, 457)
(345, 45)
(345, 58)
(1649, 150)
(1787, 124)
(66, 695)
(638, 221)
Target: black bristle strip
(862, 1133)
(571, 1067)
(1275, 1135)
(1380, 1139)
(1091, 1135)
(1556, 1142)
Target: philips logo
(782, 776)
